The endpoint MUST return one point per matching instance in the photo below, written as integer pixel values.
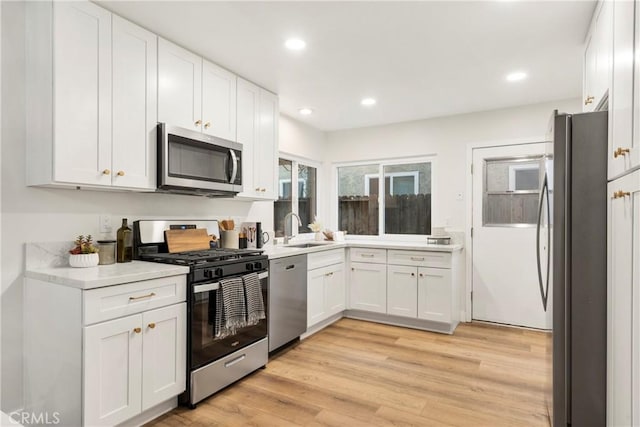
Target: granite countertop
(280, 251)
(105, 275)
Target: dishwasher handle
(290, 267)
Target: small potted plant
(316, 227)
(84, 254)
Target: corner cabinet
(598, 58)
(257, 131)
(91, 98)
(623, 300)
(194, 93)
(120, 350)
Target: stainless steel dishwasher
(287, 299)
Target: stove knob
(257, 265)
(208, 274)
(219, 272)
(249, 267)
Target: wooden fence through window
(404, 214)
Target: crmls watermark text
(35, 418)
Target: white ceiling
(418, 59)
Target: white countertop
(106, 275)
(280, 251)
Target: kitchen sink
(306, 245)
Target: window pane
(306, 196)
(357, 204)
(407, 203)
(511, 188)
(283, 205)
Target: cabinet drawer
(322, 259)
(377, 256)
(420, 259)
(121, 300)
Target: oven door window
(205, 348)
(199, 161)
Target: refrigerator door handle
(543, 295)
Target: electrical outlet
(105, 224)
(459, 197)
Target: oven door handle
(216, 285)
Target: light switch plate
(105, 223)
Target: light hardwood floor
(357, 373)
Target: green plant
(84, 245)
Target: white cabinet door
(248, 117)
(623, 293)
(335, 290)
(368, 287)
(402, 290)
(316, 303)
(604, 51)
(621, 97)
(112, 371)
(164, 354)
(134, 105)
(218, 101)
(589, 75)
(265, 154)
(434, 294)
(82, 93)
(179, 86)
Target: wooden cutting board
(195, 239)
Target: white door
(179, 86)
(335, 289)
(265, 162)
(434, 294)
(402, 290)
(247, 116)
(506, 190)
(135, 103)
(368, 285)
(82, 87)
(316, 305)
(218, 101)
(164, 354)
(112, 371)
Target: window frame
(381, 163)
(295, 161)
(391, 175)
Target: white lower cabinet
(133, 363)
(368, 287)
(107, 354)
(326, 292)
(402, 291)
(623, 299)
(435, 294)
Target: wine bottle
(124, 243)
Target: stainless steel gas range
(214, 360)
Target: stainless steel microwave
(191, 162)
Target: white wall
(40, 215)
(446, 138)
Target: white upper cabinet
(621, 142)
(218, 101)
(134, 99)
(257, 117)
(91, 98)
(598, 58)
(194, 93)
(179, 86)
(82, 93)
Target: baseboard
(151, 413)
(406, 322)
(320, 326)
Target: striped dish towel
(253, 294)
(231, 309)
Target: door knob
(620, 194)
(198, 122)
(589, 100)
(206, 125)
(137, 330)
(120, 173)
(151, 325)
(106, 172)
(620, 152)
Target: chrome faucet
(288, 236)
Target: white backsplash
(47, 255)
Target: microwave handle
(234, 162)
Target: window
(405, 207)
(300, 198)
(511, 190)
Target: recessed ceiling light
(305, 111)
(295, 44)
(368, 102)
(517, 76)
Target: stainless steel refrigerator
(572, 268)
